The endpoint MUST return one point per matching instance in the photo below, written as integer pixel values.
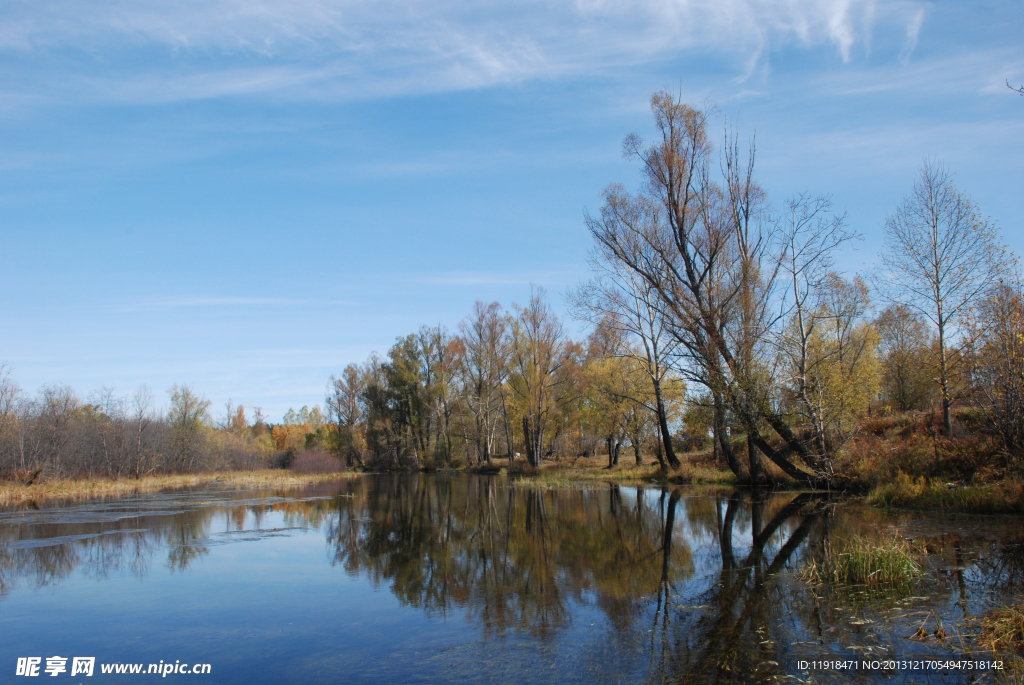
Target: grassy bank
(16, 493)
(905, 492)
(581, 471)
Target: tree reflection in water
(695, 586)
(512, 557)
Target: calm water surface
(419, 578)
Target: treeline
(509, 383)
(58, 434)
(717, 323)
(714, 315)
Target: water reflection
(513, 557)
(693, 586)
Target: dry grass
(1002, 633)
(582, 471)
(690, 473)
(904, 491)
(15, 493)
(892, 563)
(574, 472)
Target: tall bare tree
(940, 256)
(346, 411)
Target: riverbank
(900, 492)
(12, 493)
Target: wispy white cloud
(356, 48)
(913, 31)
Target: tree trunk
(531, 456)
(947, 419)
(722, 439)
(666, 437)
(754, 462)
(659, 455)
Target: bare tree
(142, 417)
(188, 419)
(940, 257)
(715, 263)
(484, 367)
(811, 235)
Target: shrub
(282, 460)
(521, 467)
(317, 462)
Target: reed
(893, 563)
(1002, 633)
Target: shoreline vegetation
(883, 483)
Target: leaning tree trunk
(755, 467)
(666, 437)
(722, 440)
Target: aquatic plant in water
(892, 563)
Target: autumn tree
(694, 257)
(995, 361)
(620, 298)
(835, 372)
(345, 408)
(905, 344)
(538, 353)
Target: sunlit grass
(1006, 497)
(892, 563)
(700, 474)
(12, 493)
(1002, 632)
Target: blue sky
(247, 195)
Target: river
(466, 579)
